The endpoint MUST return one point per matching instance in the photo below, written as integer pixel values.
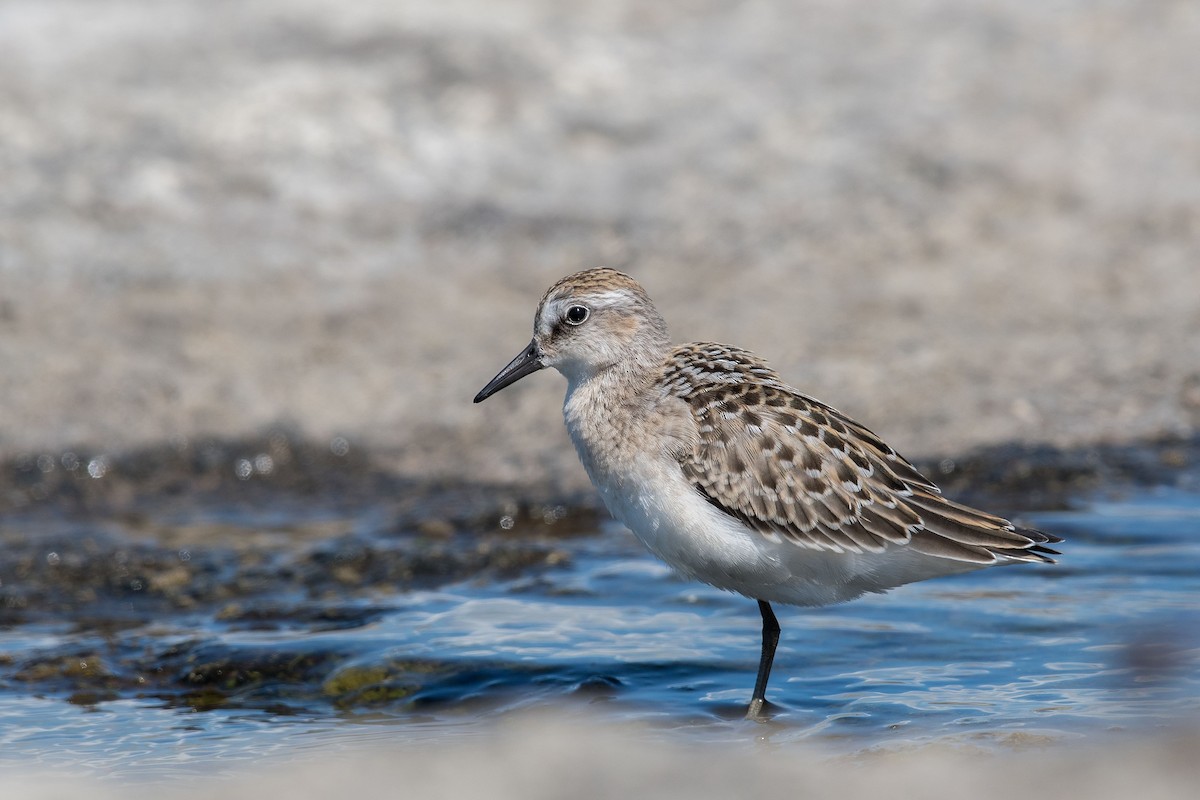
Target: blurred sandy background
(962, 222)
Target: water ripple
(1108, 640)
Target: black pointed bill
(528, 362)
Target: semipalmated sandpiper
(735, 478)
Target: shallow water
(1105, 643)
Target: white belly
(702, 542)
(680, 527)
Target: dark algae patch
(381, 684)
(103, 581)
(176, 530)
(147, 575)
(129, 557)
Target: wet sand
(544, 757)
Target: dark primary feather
(791, 467)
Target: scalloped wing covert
(795, 469)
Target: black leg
(770, 639)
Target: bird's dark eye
(577, 315)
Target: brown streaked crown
(594, 281)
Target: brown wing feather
(791, 467)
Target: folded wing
(797, 470)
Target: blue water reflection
(1107, 641)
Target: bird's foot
(757, 712)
